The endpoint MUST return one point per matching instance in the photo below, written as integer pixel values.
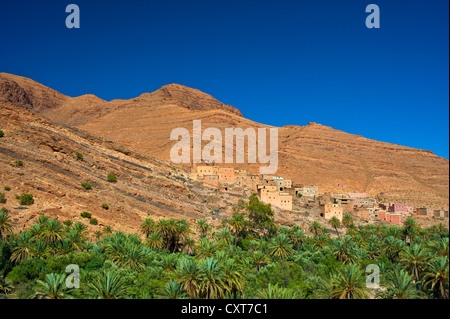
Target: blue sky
(279, 62)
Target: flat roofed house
(332, 210)
(269, 194)
(308, 191)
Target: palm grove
(247, 257)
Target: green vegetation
(26, 199)
(2, 133)
(299, 195)
(79, 156)
(248, 256)
(105, 206)
(2, 198)
(86, 185)
(112, 178)
(93, 221)
(7, 188)
(18, 164)
(86, 215)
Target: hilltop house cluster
(279, 192)
(366, 208)
(274, 190)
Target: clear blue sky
(279, 62)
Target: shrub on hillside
(7, 188)
(26, 199)
(79, 155)
(105, 206)
(2, 133)
(93, 221)
(86, 185)
(2, 198)
(86, 215)
(18, 164)
(112, 178)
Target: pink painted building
(400, 209)
(395, 218)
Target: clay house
(269, 194)
(307, 191)
(212, 180)
(424, 211)
(395, 218)
(287, 183)
(329, 211)
(357, 195)
(364, 201)
(363, 213)
(345, 202)
(252, 182)
(439, 213)
(203, 170)
(400, 209)
(226, 174)
(377, 212)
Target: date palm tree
(22, 247)
(410, 228)
(335, 223)
(437, 276)
(53, 287)
(344, 250)
(203, 227)
(347, 221)
(147, 226)
(212, 279)
(224, 236)
(280, 247)
(206, 248)
(259, 259)
(154, 241)
(52, 232)
(133, 256)
(400, 285)
(297, 237)
(414, 259)
(315, 228)
(392, 248)
(97, 235)
(188, 272)
(108, 285)
(275, 292)
(189, 246)
(440, 247)
(39, 249)
(234, 277)
(108, 230)
(349, 283)
(81, 230)
(5, 224)
(238, 224)
(76, 240)
(172, 290)
(6, 285)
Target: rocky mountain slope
(52, 172)
(312, 154)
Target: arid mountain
(52, 172)
(312, 154)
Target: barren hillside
(312, 154)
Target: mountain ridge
(312, 154)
